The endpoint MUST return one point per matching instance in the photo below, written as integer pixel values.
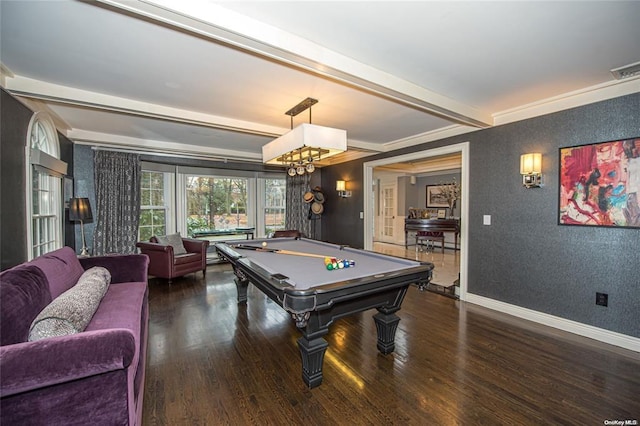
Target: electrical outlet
(602, 299)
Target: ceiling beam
(37, 89)
(228, 27)
(83, 137)
(38, 92)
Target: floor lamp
(80, 210)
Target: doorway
(386, 228)
(373, 196)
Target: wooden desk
(432, 225)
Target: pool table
(315, 296)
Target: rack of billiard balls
(332, 263)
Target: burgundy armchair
(164, 263)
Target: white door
(387, 213)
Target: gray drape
(117, 180)
(297, 215)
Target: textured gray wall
(14, 121)
(84, 188)
(341, 221)
(525, 258)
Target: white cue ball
(264, 244)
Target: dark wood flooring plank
(212, 361)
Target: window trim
(169, 197)
(47, 162)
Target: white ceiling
(215, 78)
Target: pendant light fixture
(299, 148)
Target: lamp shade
(531, 163)
(80, 209)
(326, 140)
(340, 185)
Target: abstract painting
(600, 184)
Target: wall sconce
(531, 170)
(341, 187)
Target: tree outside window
(216, 203)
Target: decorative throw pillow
(71, 312)
(173, 240)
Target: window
(274, 204)
(208, 199)
(154, 204)
(216, 203)
(45, 213)
(44, 200)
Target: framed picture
(442, 213)
(600, 184)
(435, 197)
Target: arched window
(44, 186)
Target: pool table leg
(386, 325)
(312, 352)
(242, 283)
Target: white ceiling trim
(562, 102)
(218, 23)
(434, 135)
(585, 96)
(40, 90)
(363, 146)
(32, 88)
(4, 74)
(39, 105)
(84, 137)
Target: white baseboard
(602, 335)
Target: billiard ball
(264, 244)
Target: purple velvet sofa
(92, 377)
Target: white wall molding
(369, 198)
(602, 335)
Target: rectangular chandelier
(299, 148)
(304, 142)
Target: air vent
(626, 71)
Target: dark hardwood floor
(212, 361)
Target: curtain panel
(117, 180)
(297, 213)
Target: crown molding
(577, 98)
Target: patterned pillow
(173, 240)
(71, 312)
